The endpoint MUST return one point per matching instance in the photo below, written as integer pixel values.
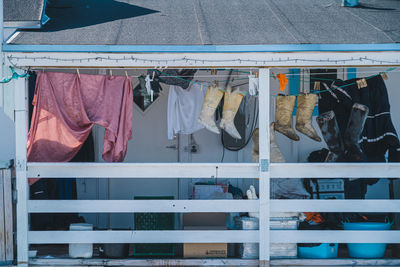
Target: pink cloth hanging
(66, 108)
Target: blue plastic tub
(323, 251)
(367, 251)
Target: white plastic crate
(277, 250)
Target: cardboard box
(204, 221)
(205, 250)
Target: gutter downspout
(1, 51)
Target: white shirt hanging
(184, 106)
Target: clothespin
(213, 72)
(126, 74)
(359, 84)
(79, 75)
(317, 86)
(201, 88)
(111, 74)
(362, 83)
(384, 76)
(154, 73)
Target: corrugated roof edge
(201, 48)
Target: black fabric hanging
(379, 134)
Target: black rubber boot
(331, 134)
(355, 126)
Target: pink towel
(66, 108)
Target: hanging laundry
(253, 85)
(282, 81)
(181, 78)
(379, 134)
(209, 106)
(184, 108)
(66, 109)
(232, 100)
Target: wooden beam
(8, 219)
(335, 205)
(2, 224)
(199, 236)
(210, 262)
(335, 170)
(264, 163)
(223, 236)
(143, 170)
(208, 170)
(118, 206)
(334, 236)
(142, 262)
(21, 98)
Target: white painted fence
(264, 171)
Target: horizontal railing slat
(187, 206)
(222, 236)
(335, 236)
(334, 205)
(212, 170)
(143, 170)
(335, 170)
(192, 236)
(118, 206)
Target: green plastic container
(154, 221)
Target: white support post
(21, 171)
(264, 174)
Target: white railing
(264, 171)
(139, 170)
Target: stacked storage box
(277, 250)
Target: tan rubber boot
(255, 148)
(275, 153)
(305, 108)
(232, 102)
(210, 104)
(283, 116)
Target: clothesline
(14, 76)
(206, 83)
(341, 87)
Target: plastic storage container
(367, 251)
(154, 221)
(277, 250)
(81, 250)
(323, 251)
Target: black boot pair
(348, 148)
